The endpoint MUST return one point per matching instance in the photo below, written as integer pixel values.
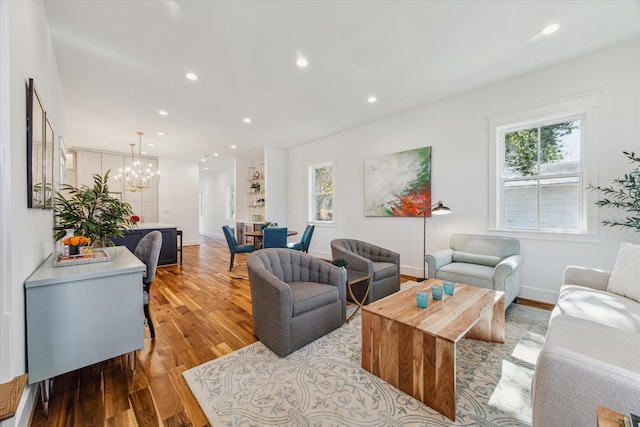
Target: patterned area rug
(239, 271)
(323, 383)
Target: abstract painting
(398, 184)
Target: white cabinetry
(144, 203)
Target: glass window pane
(521, 153)
(559, 204)
(322, 197)
(560, 148)
(520, 204)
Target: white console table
(83, 314)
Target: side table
(354, 277)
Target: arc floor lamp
(436, 209)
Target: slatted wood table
(414, 349)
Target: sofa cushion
(598, 306)
(469, 274)
(383, 270)
(308, 296)
(625, 277)
(488, 260)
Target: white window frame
(312, 197)
(230, 200)
(585, 107)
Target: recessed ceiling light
(216, 154)
(203, 160)
(550, 29)
(302, 62)
(206, 169)
(151, 145)
(161, 133)
(372, 99)
(191, 76)
(232, 146)
(143, 152)
(247, 120)
(163, 113)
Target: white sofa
(591, 354)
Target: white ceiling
(122, 61)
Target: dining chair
(274, 237)
(148, 251)
(234, 247)
(303, 244)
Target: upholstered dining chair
(382, 264)
(303, 244)
(234, 247)
(296, 298)
(274, 237)
(148, 251)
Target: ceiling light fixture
(372, 99)
(232, 146)
(151, 145)
(216, 154)
(191, 76)
(163, 113)
(133, 178)
(550, 29)
(302, 62)
(161, 133)
(247, 120)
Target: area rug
(239, 271)
(322, 384)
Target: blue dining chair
(274, 237)
(234, 247)
(305, 241)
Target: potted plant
(92, 212)
(623, 193)
(340, 262)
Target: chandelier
(136, 178)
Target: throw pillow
(625, 277)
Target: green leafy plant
(623, 193)
(92, 212)
(340, 262)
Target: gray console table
(83, 314)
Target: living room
(458, 127)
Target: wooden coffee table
(414, 349)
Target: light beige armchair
(490, 262)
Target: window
(540, 180)
(321, 192)
(230, 202)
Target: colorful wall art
(398, 184)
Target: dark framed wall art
(40, 142)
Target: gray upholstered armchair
(382, 264)
(490, 262)
(296, 298)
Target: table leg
(359, 303)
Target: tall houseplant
(623, 193)
(92, 212)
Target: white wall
(26, 235)
(178, 197)
(457, 129)
(214, 190)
